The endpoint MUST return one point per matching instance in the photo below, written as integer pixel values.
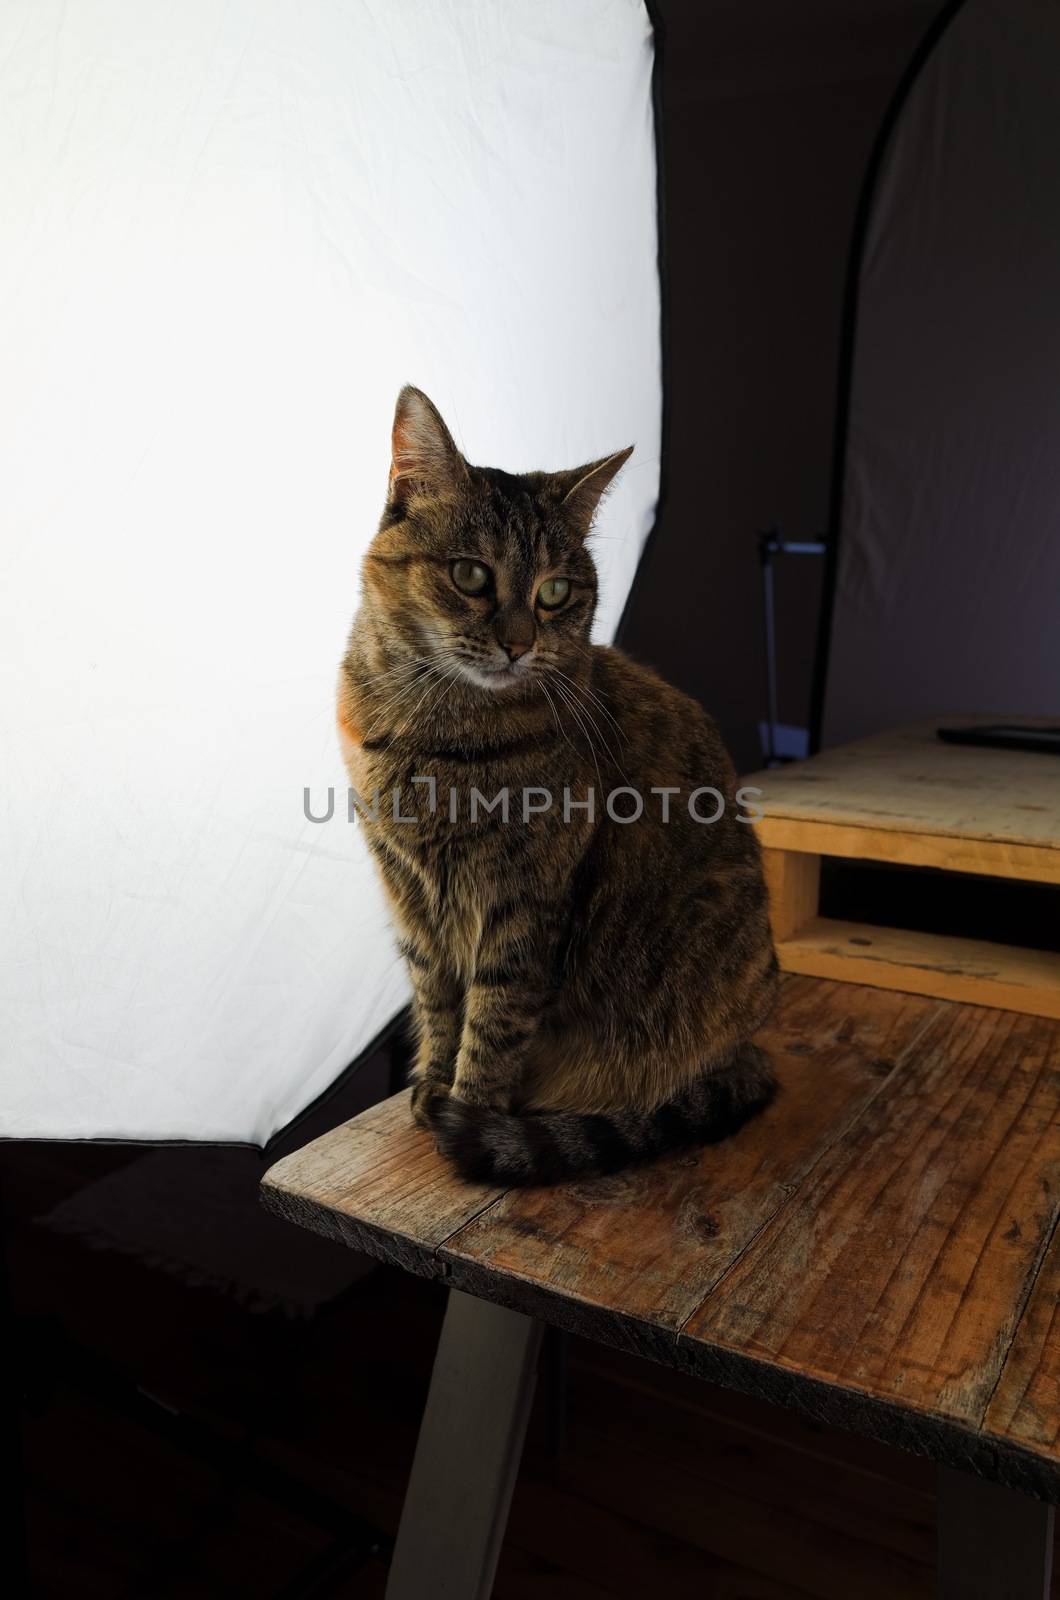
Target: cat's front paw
(488, 1096)
(427, 1095)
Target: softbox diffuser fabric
(228, 235)
(949, 544)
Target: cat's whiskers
(394, 703)
(399, 669)
(403, 669)
(564, 696)
(395, 690)
(595, 700)
(584, 712)
(441, 676)
(402, 678)
(448, 679)
(561, 730)
(445, 694)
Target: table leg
(467, 1455)
(993, 1544)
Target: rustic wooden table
(879, 1249)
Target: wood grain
(376, 1184)
(1026, 1403)
(901, 1269)
(634, 1285)
(974, 971)
(907, 780)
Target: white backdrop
(227, 236)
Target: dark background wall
(770, 113)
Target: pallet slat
(969, 970)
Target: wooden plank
(898, 1274)
(1026, 1403)
(379, 1185)
(794, 884)
(995, 858)
(626, 1259)
(910, 781)
(972, 971)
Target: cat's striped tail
(536, 1147)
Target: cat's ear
(424, 459)
(579, 490)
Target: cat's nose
(514, 648)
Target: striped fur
(499, 1147)
(585, 990)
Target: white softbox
(228, 235)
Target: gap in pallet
(928, 900)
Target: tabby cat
(586, 987)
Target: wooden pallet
(906, 797)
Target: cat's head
(484, 573)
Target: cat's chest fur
(438, 865)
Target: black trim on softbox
(658, 29)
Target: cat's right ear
(424, 459)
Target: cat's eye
(470, 577)
(553, 592)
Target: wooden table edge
(388, 1245)
(945, 1440)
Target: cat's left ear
(424, 459)
(580, 490)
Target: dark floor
(177, 1444)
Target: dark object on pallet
(1005, 736)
